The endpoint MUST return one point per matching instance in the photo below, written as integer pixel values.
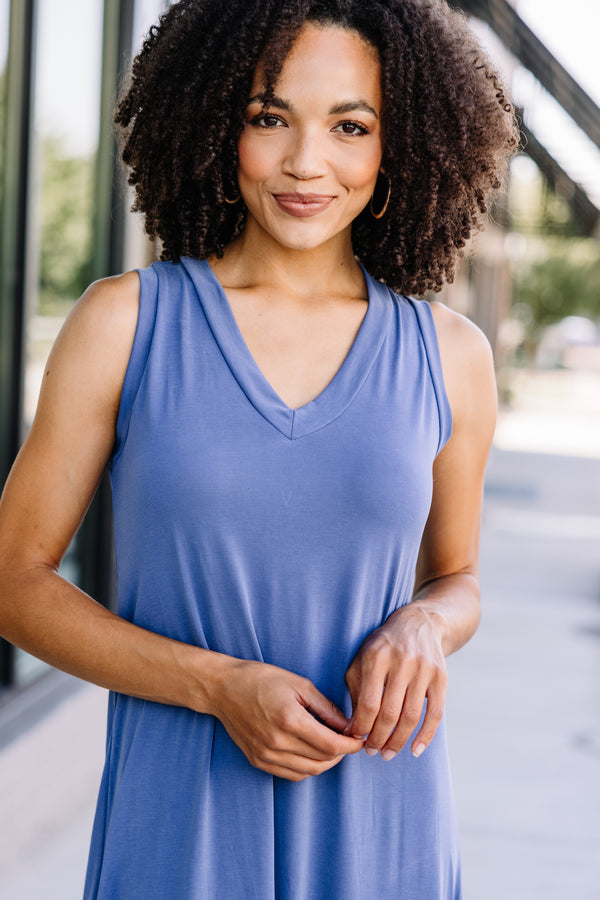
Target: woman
(292, 447)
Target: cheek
(361, 170)
(255, 158)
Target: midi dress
(278, 535)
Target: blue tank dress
(271, 534)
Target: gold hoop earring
(231, 202)
(380, 214)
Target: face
(308, 162)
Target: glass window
(4, 15)
(66, 111)
(66, 117)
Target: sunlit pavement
(524, 703)
(523, 709)
(48, 780)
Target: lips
(302, 205)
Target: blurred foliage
(535, 207)
(564, 281)
(556, 270)
(66, 227)
(65, 220)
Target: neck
(254, 258)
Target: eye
(351, 128)
(266, 120)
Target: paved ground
(524, 708)
(523, 713)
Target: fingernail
(371, 751)
(388, 754)
(418, 750)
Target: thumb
(323, 708)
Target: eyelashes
(266, 120)
(359, 129)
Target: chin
(303, 237)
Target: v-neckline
(335, 396)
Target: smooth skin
(299, 298)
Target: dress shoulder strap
(424, 316)
(139, 354)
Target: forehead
(326, 60)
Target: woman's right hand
(271, 713)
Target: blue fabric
(276, 535)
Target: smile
(303, 205)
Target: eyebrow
(339, 109)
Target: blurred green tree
(565, 283)
(66, 227)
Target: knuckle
(266, 755)
(325, 765)
(411, 714)
(287, 720)
(255, 760)
(388, 713)
(375, 651)
(369, 707)
(330, 748)
(294, 776)
(275, 742)
(436, 712)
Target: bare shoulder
(468, 366)
(108, 308)
(88, 362)
(101, 326)
(461, 342)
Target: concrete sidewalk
(524, 704)
(523, 713)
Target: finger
(282, 746)
(285, 742)
(387, 717)
(433, 717)
(323, 707)
(368, 701)
(324, 739)
(292, 766)
(412, 710)
(325, 735)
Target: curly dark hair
(448, 127)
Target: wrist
(430, 615)
(207, 676)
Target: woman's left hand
(397, 668)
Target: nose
(305, 159)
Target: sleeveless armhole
(432, 350)
(139, 356)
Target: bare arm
(49, 489)
(403, 663)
